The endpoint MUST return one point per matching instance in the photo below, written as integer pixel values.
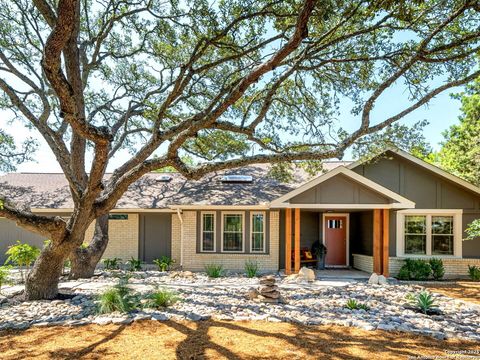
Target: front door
(335, 230)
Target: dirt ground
(219, 340)
(464, 290)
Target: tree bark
(85, 260)
(42, 280)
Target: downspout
(179, 214)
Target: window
(435, 232)
(208, 232)
(257, 226)
(416, 235)
(117, 216)
(442, 235)
(334, 224)
(232, 230)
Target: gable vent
(164, 178)
(236, 178)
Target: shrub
(251, 268)
(4, 273)
(112, 264)
(134, 264)
(437, 267)
(214, 270)
(423, 301)
(161, 298)
(164, 263)
(119, 298)
(22, 255)
(474, 272)
(353, 304)
(415, 269)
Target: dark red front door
(336, 240)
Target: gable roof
(398, 201)
(435, 169)
(41, 191)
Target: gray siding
(339, 190)
(10, 233)
(155, 236)
(427, 189)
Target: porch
(343, 232)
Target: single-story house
(370, 215)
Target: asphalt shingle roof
(50, 190)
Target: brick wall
(235, 262)
(454, 268)
(363, 262)
(123, 238)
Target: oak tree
(230, 82)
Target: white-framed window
(207, 231)
(435, 232)
(233, 230)
(257, 231)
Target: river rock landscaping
(228, 298)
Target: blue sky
(441, 112)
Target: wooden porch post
(385, 241)
(297, 240)
(288, 241)
(377, 241)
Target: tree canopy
(460, 151)
(229, 82)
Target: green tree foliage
(460, 152)
(22, 255)
(11, 155)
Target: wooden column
(377, 241)
(385, 241)
(297, 240)
(288, 241)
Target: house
(370, 215)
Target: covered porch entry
(342, 211)
(341, 231)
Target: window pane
(232, 222)
(442, 244)
(232, 241)
(257, 222)
(415, 244)
(208, 240)
(334, 224)
(208, 222)
(257, 242)
(415, 224)
(442, 225)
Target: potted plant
(320, 251)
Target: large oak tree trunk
(42, 280)
(85, 260)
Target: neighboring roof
(426, 165)
(398, 201)
(51, 191)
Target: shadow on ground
(217, 340)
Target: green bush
(112, 264)
(423, 301)
(161, 299)
(119, 298)
(415, 269)
(134, 264)
(214, 270)
(438, 270)
(4, 273)
(474, 272)
(22, 255)
(164, 263)
(353, 304)
(251, 268)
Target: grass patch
(119, 298)
(251, 268)
(214, 270)
(162, 298)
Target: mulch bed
(220, 340)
